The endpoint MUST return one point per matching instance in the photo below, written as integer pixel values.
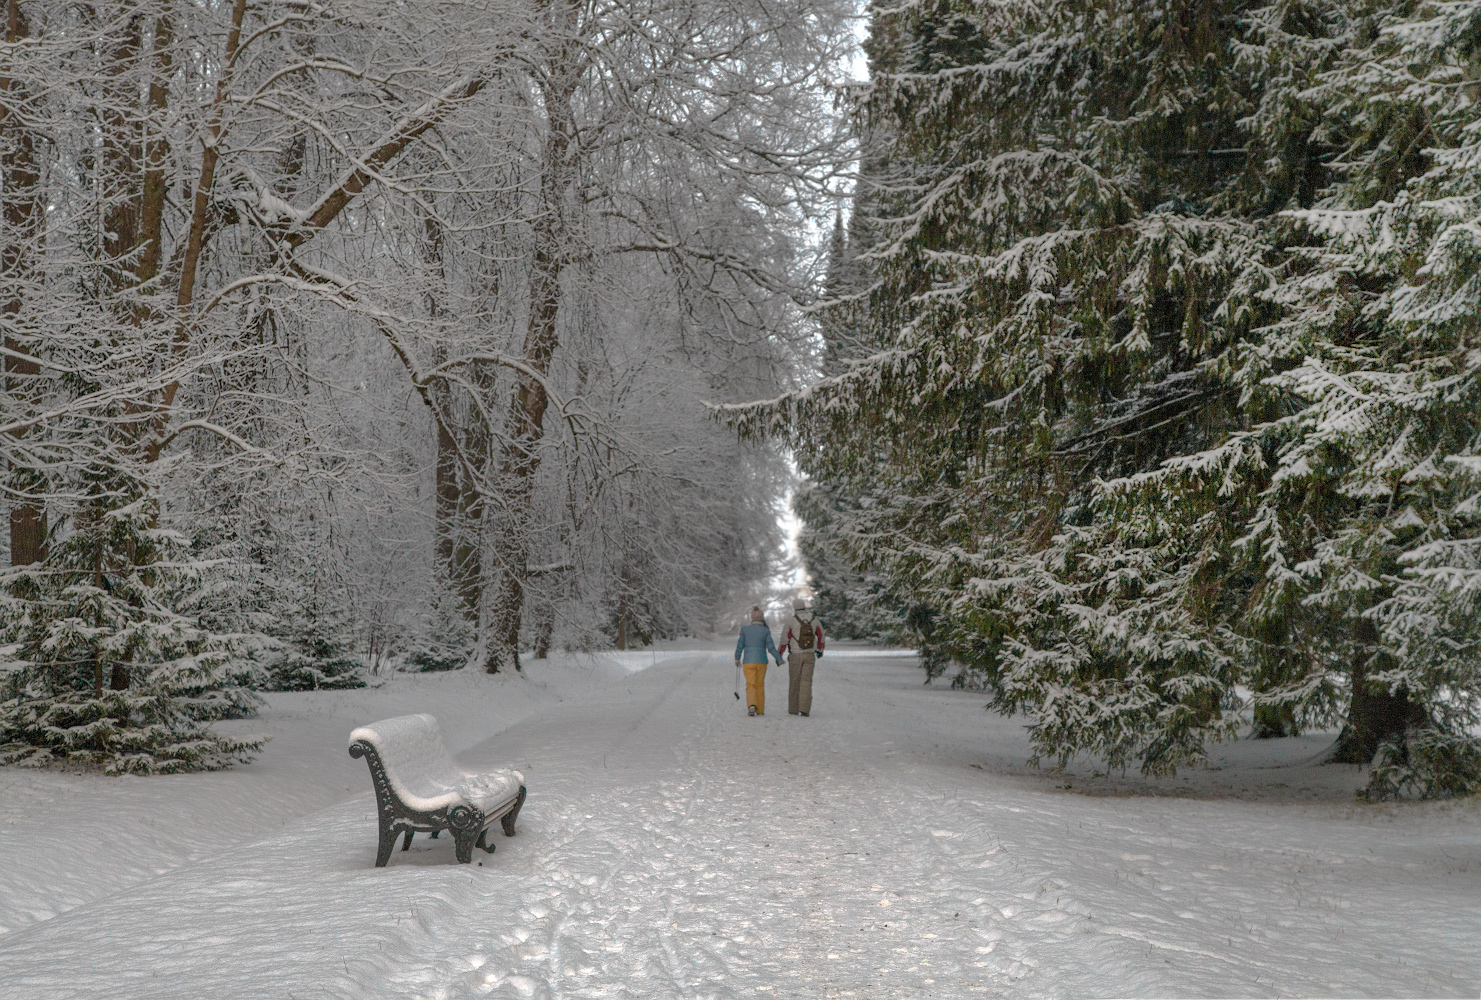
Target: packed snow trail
(673, 847)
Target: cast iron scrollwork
(469, 826)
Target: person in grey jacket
(802, 643)
(751, 648)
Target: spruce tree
(854, 599)
(1175, 393)
(1373, 497)
(105, 663)
(1050, 301)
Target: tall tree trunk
(544, 629)
(95, 515)
(134, 157)
(527, 412)
(445, 499)
(121, 153)
(156, 152)
(1375, 714)
(446, 503)
(22, 217)
(459, 514)
(457, 506)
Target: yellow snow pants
(756, 686)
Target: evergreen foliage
(317, 660)
(446, 645)
(1170, 384)
(854, 603)
(104, 664)
(1427, 764)
(855, 599)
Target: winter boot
(750, 709)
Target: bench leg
(483, 841)
(386, 846)
(406, 841)
(435, 833)
(509, 817)
(464, 845)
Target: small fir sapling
(103, 668)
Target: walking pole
(737, 681)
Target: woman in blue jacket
(751, 648)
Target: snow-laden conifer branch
(1170, 375)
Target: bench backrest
(417, 763)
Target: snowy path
(672, 847)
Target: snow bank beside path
(68, 838)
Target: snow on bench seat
(419, 789)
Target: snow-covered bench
(418, 788)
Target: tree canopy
(1156, 395)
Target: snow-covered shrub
(1426, 764)
(435, 661)
(310, 648)
(446, 641)
(103, 669)
(317, 668)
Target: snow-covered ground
(891, 845)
